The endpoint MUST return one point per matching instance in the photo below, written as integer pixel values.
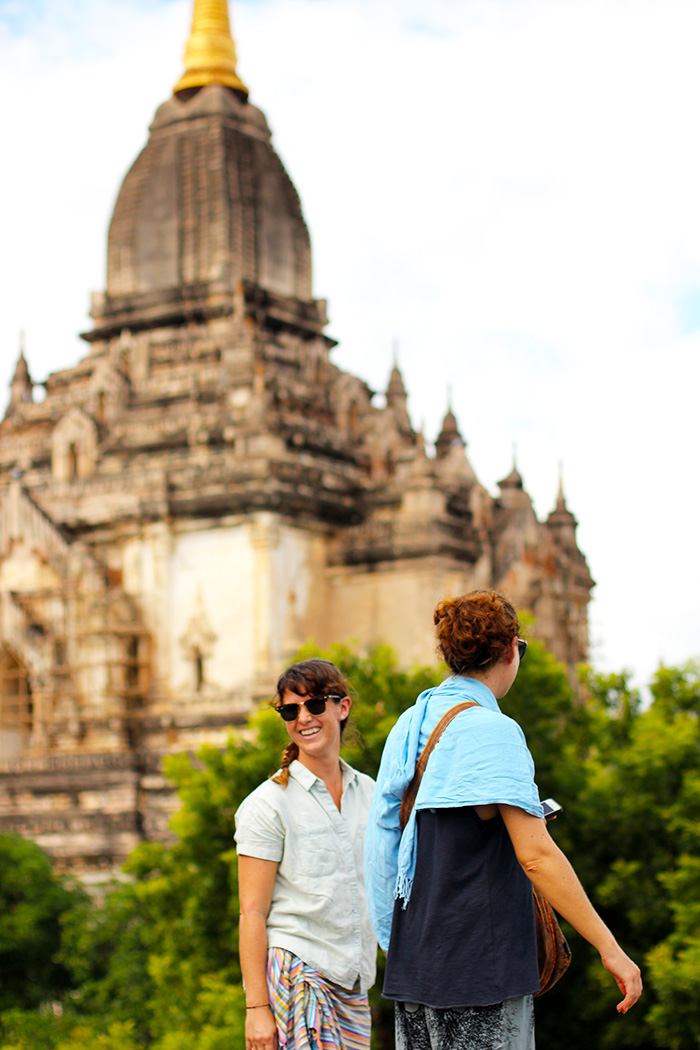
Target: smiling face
(316, 736)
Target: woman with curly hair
(306, 945)
(451, 894)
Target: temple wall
(392, 605)
(244, 596)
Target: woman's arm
(550, 871)
(256, 880)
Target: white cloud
(508, 188)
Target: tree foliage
(32, 902)
(633, 833)
(154, 963)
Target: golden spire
(210, 53)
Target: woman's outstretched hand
(626, 973)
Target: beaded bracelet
(260, 1006)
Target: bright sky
(508, 188)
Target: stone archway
(16, 705)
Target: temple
(205, 491)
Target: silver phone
(551, 808)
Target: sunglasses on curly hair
(315, 705)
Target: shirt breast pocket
(315, 859)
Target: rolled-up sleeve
(259, 830)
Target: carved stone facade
(205, 491)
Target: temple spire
(210, 53)
(561, 502)
(449, 436)
(396, 396)
(561, 521)
(514, 479)
(396, 390)
(21, 386)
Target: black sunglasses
(315, 705)
(522, 646)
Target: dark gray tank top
(467, 936)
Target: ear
(510, 655)
(344, 707)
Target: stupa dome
(207, 204)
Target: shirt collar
(307, 779)
(349, 774)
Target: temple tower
(205, 491)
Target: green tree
(155, 963)
(42, 1030)
(33, 900)
(634, 831)
(670, 746)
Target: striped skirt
(311, 1012)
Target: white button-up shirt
(319, 908)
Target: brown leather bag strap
(411, 791)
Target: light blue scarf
(481, 758)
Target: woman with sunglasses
(451, 894)
(306, 944)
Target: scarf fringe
(403, 890)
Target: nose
(303, 715)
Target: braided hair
(315, 677)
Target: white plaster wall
(393, 606)
(259, 586)
(145, 567)
(177, 576)
(298, 599)
(211, 575)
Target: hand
(260, 1029)
(626, 973)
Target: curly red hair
(475, 631)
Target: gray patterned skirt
(509, 1025)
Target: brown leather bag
(553, 952)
